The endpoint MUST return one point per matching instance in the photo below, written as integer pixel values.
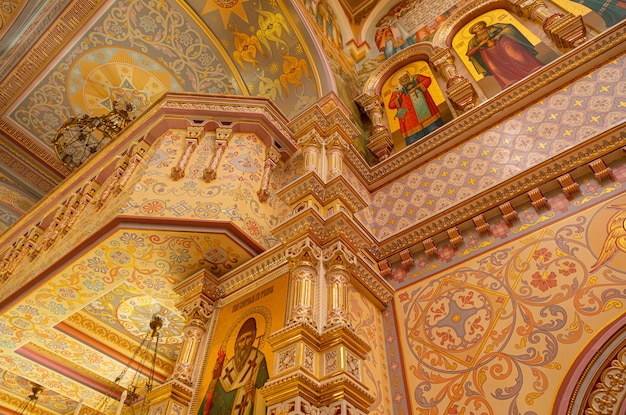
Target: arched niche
(495, 45)
(589, 386)
(410, 94)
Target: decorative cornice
(378, 289)
(323, 231)
(201, 283)
(295, 332)
(550, 78)
(311, 184)
(36, 148)
(38, 53)
(260, 266)
(254, 114)
(305, 222)
(317, 393)
(319, 340)
(327, 115)
(173, 389)
(604, 144)
(111, 339)
(337, 335)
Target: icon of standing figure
(501, 50)
(416, 110)
(235, 382)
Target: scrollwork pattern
(491, 335)
(155, 29)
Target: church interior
(312, 207)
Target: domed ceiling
(62, 59)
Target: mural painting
(494, 332)
(414, 103)
(267, 48)
(499, 51)
(325, 24)
(409, 22)
(239, 362)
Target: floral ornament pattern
(155, 36)
(367, 322)
(458, 319)
(47, 399)
(489, 333)
(231, 196)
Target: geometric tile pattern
(586, 107)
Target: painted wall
(231, 196)
(494, 326)
(589, 105)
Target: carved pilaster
(304, 259)
(565, 30)
(198, 294)
(221, 141)
(379, 142)
(338, 263)
(272, 157)
(133, 162)
(311, 151)
(334, 154)
(532, 9)
(191, 142)
(172, 397)
(110, 185)
(459, 90)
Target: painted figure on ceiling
(234, 385)
(501, 50)
(392, 37)
(616, 237)
(327, 20)
(416, 111)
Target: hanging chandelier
(134, 395)
(80, 137)
(29, 404)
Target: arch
(585, 375)
(420, 51)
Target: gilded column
(379, 142)
(303, 277)
(311, 152)
(272, 157)
(197, 316)
(221, 141)
(338, 276)
(338, 298)
(191, 142)
(334, 153)
(198, 294)
(565, 30)
(458, 89)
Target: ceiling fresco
(92, 328)
(59, 59)
(107, 52)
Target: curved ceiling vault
(66, 58)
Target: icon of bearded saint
(234, 385)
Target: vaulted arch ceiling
(67, 57)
